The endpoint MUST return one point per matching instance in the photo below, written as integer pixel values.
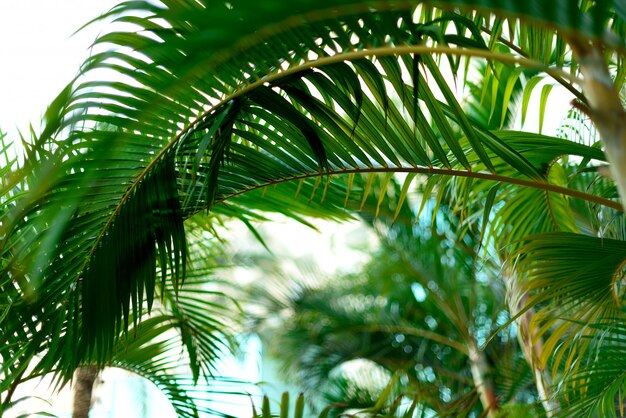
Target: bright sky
(39, 55)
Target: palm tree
(177, 345)
(216, 102)
(420, 307)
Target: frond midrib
(540, 185)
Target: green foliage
(242, 108)
(387, 405)
(416, 308)
(581, 318)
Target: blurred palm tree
(422, 306)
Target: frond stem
(12, 388)
(433, 336)
(387, 51)
(548, 187)
(551, 212)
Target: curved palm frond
(575, 284)
(155, 352)
(596, 386)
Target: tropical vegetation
(420, 308)
(195, 113)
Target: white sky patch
(39, 56)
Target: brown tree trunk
(482, 381)
(531, 345)
(604, 108)
(532, 351)
(84, 380)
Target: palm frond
(596, 387)
(149, 225)
(575, 284)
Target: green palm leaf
(129, 254)
(575, 284)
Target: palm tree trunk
(482, 381)
(532, 351)
(604, 108)
(531, 345)
(85, 379)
